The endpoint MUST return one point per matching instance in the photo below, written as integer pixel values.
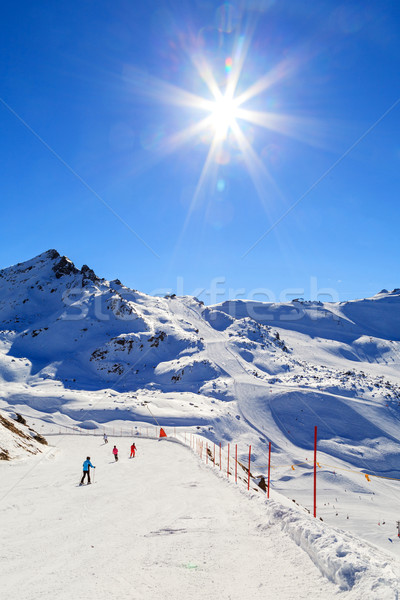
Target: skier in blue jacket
(86, 470)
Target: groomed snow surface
(165, 525)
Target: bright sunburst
(225, 113)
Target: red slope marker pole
(214, 455)
(248, 474)
(206, 453)
(235, 463)
(227, 468)
(315, 471)
(269, 467)
(220, 454)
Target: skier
(105, 438)
(133, 450)
(86, 470)
(115, 452)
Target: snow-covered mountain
(77, 348)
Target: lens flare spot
(221, 185)
(227, 18)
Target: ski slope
(161, 525)
(78, 350)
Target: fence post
(248, 474)
(269, 467)
(315, 471)
(235, 463)
(227, 468)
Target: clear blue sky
(92, 79)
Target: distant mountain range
(75, 326)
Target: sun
(224, 112)
(227, 122)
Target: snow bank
(345, 560)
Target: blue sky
(93, 81)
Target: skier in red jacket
(133, 450)
(115, 452)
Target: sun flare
(223, 116)
(227, 124)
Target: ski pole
(94, 471)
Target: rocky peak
(88, 273)
(64, 267)
(51, 254)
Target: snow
(79, 351)
(164, 525)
